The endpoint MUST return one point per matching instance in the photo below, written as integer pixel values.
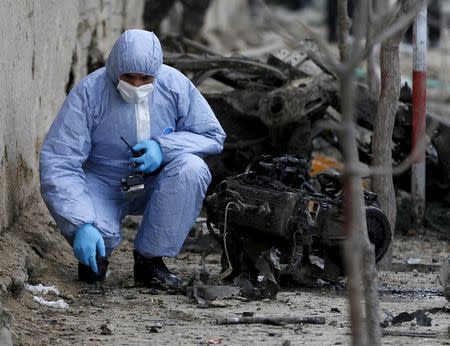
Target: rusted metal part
(306, 97)
(274, 320)
(410, 334)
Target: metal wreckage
(277, 207)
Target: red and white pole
(419, 104)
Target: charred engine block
(276, 204)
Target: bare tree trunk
(445, 45)
(373, 78)
(352, 249)
(383, 185)
(353, 202)
(371, 297)
(358, 248)
(343, 30)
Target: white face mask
(132, 94)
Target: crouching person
(170, 128)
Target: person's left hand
(151, 159)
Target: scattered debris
(210, 294)
(411, 334)
(217, 341)
(265, 289)
(59, 304)
(415, 293)
(275, 320)
(41, 289)
(268, 264)
(421, 316)
(107, 328)
(413, 260)
(204, 294)
(217, 303)
(154, 328)
(130, 296)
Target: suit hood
(135, 51)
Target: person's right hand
(151, 158)
(87, 242)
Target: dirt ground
(122, 314)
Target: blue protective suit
(83, 158)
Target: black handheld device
(134, 152)
(132, 183)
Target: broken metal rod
(276, 320)
(410, 334)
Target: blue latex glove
(87, 242)
(151, 158)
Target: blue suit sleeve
(197, 132)
(66, 147)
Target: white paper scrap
(41, 289)
(59, 304)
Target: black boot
(153, 272)
(86, 274)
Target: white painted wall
(41, 42)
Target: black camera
(132, 183)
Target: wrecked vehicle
(277, 205)
(279, 107)
(277, 110)
(265, 108)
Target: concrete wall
(45, 46)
